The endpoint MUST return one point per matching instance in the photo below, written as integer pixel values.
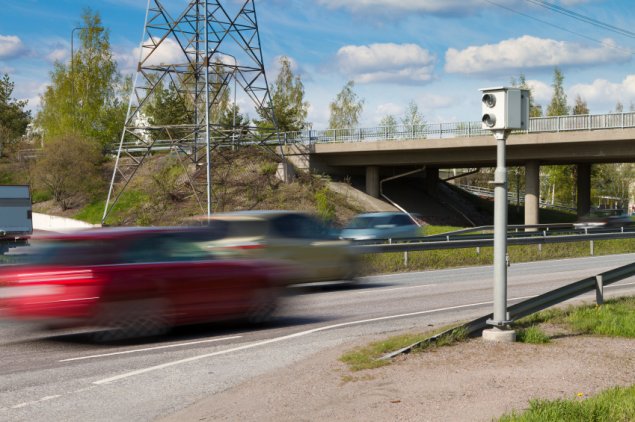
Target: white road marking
(29, 403)
(147, 349)
(394, 288)
(295, 335)
(276, 340)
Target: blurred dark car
(136, 281)
(606, 218)
(314, 249)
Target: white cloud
(168, 52)
(540, 91)
(431, 102)
(604, 94)
(389, 109)
(11, 46)
(58, 55)
(398, 63)
(527, 52)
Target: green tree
(619, 107)
(233, 118)
(84, 97)
(287, 94)
(70, 169)
(613, 179)
(535, 110)
(413, 119)
(167, 106)
(580, 106)
(558, 105)
(389, 125)
(13, 118)
(346, 109)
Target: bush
(70, 169)
(324, 206)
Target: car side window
(298, 227)
(147, 249)
(401, 220)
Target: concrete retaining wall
(59, 224)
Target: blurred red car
(136, 281)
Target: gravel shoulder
(474, 380)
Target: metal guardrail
(535, 304)
(459, 129)
(408, 132)
(454, 240)
(513, 197)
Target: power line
(595, 40)
(582, 18)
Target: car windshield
(368, 222)
(372, 221)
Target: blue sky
(437, 53)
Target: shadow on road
(186, 333)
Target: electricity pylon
(196, 54)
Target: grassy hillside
(161, 194)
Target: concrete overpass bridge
(378, 152)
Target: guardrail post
(622, 119)
(599, 290)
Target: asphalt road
(46, 376)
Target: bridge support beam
(431, 180)
(532, 192)
(584, 189)
(372, 181)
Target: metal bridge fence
(459, 129)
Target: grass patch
(532, 335)
(615, 318)
(367, 357)
(452, 258)
(128, 203)
(40, 196)
(616, 404)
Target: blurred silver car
(315, 249)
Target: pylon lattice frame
(204, 37)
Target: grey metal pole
(208, 146)
(500, 232)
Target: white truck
(16, 220)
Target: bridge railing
(459, 129)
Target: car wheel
(132, 319)
(264, 303)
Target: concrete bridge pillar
(532, 191)
(584, 189)
(372, 181)
(431, 180)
